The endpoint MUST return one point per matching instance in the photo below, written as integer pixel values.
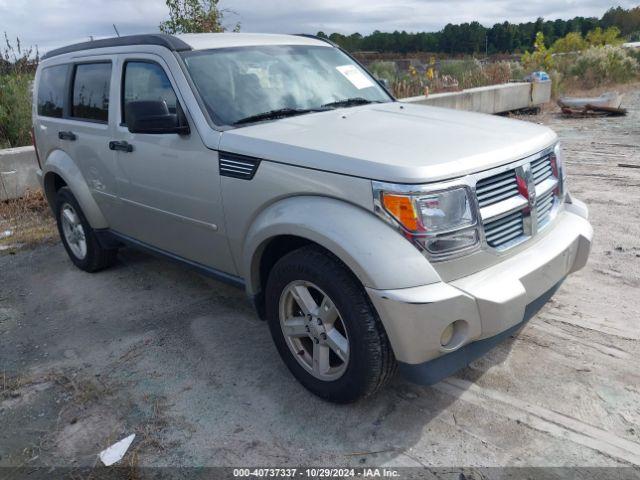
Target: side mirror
(153, 117)
(384, 82)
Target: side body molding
(378, 255)
(60, 163)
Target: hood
(392, 142)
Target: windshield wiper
(274, 114)
(349, 102)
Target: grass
(25, 223)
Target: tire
(75, 232)
(342, 378)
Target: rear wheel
(78, 237)
(326, 330)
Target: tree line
(474, 38)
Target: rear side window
(51, 91)
(147, 81)
(91, 84)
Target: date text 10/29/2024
(316, 472)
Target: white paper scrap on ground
(355, 76)
(116, 451)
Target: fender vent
(238, 166)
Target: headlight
(441, 221)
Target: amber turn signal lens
(401, 207)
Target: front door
(169, 184)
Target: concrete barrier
(17, 172)
(491, 99)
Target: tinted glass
(236, 83)
(51, 91)
(145, 81)
(91, 91)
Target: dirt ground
(151, 348)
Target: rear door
(74, 109)
(169, 184)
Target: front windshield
(241, 82)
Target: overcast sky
(53, 23)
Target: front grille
(544, 206)
(496, 188)
(541, 169)
(238, 166)
(508, 210)
(503, 230)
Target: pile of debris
(606, 104)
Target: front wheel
(326, 330)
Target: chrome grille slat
(541, 169)
(496, 188)
(497, 184)
(497, 196)
(504, 226)
(541, 161)
(506, 239)
(494, 178)
(544, 206)
(238, 166)
(543, 177)
(517, 228)
(499, 232)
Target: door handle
(67, 136)
(120, 146)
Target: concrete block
(18, 168)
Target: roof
(191, 41)
(202, 41)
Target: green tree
(572, 42)
(599, 37)
(469, 38)
(540, 58)
(194, 16)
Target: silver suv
(369, 233)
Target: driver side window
(147, 82)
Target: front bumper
(486, 306)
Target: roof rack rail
(316, 37)
(160, 39)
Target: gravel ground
(150, 348)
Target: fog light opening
(454, 335)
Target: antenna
(116, 29)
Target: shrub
(16, 76)
(604, 65)
(470, 73)
(15, 109)
(384, 70)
